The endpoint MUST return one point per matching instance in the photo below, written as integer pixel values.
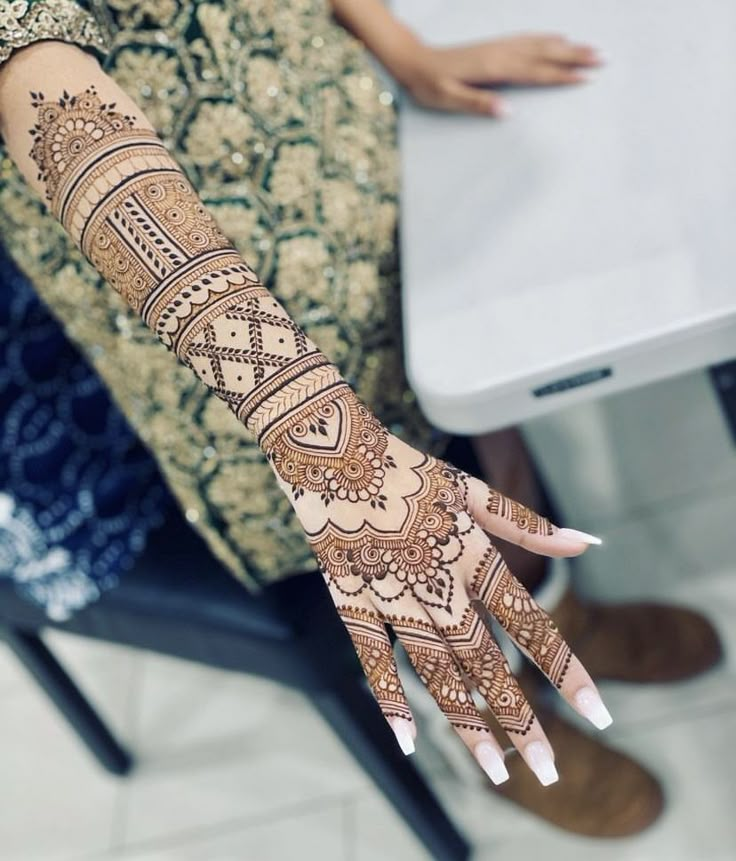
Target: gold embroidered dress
(276, 115)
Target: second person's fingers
(457, 96)
(568, 53)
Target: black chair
(180, 601)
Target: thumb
(474, 100)
(510, 520)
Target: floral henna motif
(337, 449)
(526, 519)
(521, 617)
(415, 556)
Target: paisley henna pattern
(336, 448)
(390, 526)
(523, 517)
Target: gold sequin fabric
(278, 119)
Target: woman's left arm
(452, 79)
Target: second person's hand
(453, 79)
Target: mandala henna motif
(521, 617)
(523, 517)
(416, 557)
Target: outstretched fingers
(442, 677)
(534, 632)
(483, 664)
(370, 639)
(510, 520)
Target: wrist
(409, 60)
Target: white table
(588, 243)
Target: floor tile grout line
(695, 715)
(119, 823)
(226, 826)
(349, 831)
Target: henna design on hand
(336, 448)
(521, 617)
(368, 633)
(391, 528)
(518, 514)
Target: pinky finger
(371, 642)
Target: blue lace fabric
(79, 494)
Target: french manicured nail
(403, 735)
(491, 761)
(541, 763)
(591, 706)
(576, 535)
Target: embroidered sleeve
(23, 22)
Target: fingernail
(501, 109)
(402, 731)
(591, 706)
(541, 763)
(576, 535)
(491, 761)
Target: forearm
(88, 150)
(385, 36)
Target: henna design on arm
(127, 204)
(390, 526)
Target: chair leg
(352, 712)
(51, 676)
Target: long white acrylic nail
(577, 535)
(591, 706)
(402, 731)
(541, 763)
(491, 761)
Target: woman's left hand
(452, 79)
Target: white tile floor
(237, 768)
